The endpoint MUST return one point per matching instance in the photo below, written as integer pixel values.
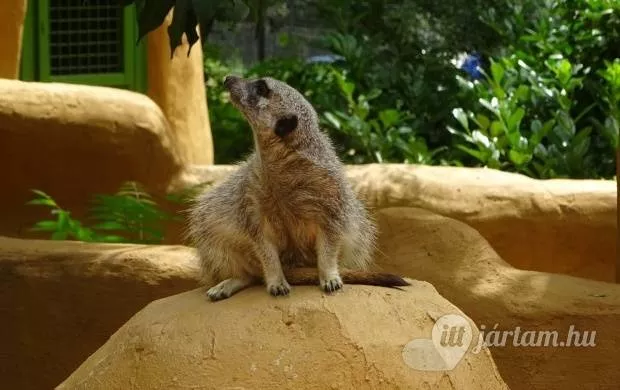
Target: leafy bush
(361, 132)
(546, 105)
(366, 135)
(549, 107)
(131, 216)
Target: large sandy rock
(74, 141)
(468, 272)
(354, 339)
(59, 301)
(560, 226)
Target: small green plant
(63, 226)
(131, 215)
(131, 212)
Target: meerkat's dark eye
(261, 88)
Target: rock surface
(469, 273)
(74, 141)
(559, 226)
(59, 301)
(353, 339)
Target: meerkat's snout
(236, 87)
(230, 80)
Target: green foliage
(370, 135)
(549, 106)
(509, 134)
(404, 48)
(131, 212)
(231, 133)
(131, 215)
(361, 132)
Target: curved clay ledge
(63, 300)
(559, 226)
(74, 141)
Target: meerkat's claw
(279, 289)
(332, 284)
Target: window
(83, 41)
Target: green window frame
(129, 72)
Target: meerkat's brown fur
(288, 214)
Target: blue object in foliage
(326, 59)
(472, 65)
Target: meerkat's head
(271, 106)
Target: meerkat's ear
(286, 125)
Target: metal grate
(86, 36)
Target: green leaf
(481, 139)
(519, 158)
(461, 116)
(497, 128)
(497, 71)
(515, 119)
(539, 131)
(486, 104)
(63, 221)
(474, 153)
(45, 226)
(41, 194)
(374, 93)
(522, 93)
(483, 122)
(565, 129)
(332, 120)
(84, 234)
(389, 117)
(581, 143)
(42, 202)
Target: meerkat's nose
(230, 80)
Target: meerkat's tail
(310, 276)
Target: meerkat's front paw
(280, 288)
(331, 283)
(226, 289)
(217, 293)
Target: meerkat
(287, 215)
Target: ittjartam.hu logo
(452, 335)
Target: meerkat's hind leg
(327, 262)
(227, 288)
